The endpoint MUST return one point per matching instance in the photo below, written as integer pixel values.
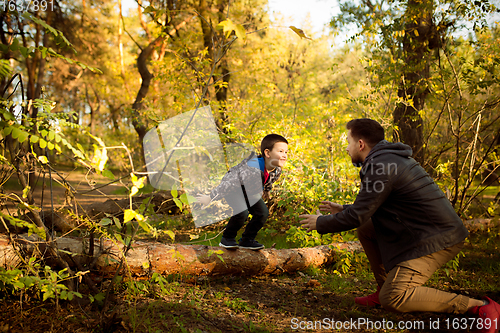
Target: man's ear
(362, 144)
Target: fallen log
(146, 258)
(481, 224)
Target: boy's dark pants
(259, 212)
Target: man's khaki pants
(401, 288)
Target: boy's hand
(309, 221)
(330, 207)
(204, 200)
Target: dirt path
(87, 188)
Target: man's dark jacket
(411, 215)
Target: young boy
(274, 149)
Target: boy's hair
(269, 141)
(367, 129)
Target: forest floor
(88, 188)
(314, 300)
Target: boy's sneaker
(228, 243)
(250, 244)
(489, 315)
(370, 300)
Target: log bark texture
(146, 258)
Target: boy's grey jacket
(411, 215)
(233, 179)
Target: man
(405, 224)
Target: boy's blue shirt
(257, 163)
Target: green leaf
(105, 221)
(108, 174)
(78, 153)
(174, 191)
(171, 234)
(26, 191)
(100, 297)
(149, 9)
(47, 295)
(119, 238)
(24, 51)
(8, 130)
(34, 139)
(18, 284)
(16, 132)
(187, 199)
(117, 222)
(129, 215)
(42, 143)
(43, 50)
(178, 203)
(145, 226)
(23, 136)
(15, 45)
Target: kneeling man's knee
(391, 300)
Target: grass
(178, 303)
(268, 304)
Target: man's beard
(356, 161)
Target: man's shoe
(370, 300)
(250, 244)
(488, 316)
(228, 243)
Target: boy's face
(277, 156)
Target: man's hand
(309, 221)
(330, 207)
(204, 200)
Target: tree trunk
(221, 96)
(221, 76)
(146, 258)
(141, 127)
(420, 36)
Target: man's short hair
(269, 141)
(367, 129)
